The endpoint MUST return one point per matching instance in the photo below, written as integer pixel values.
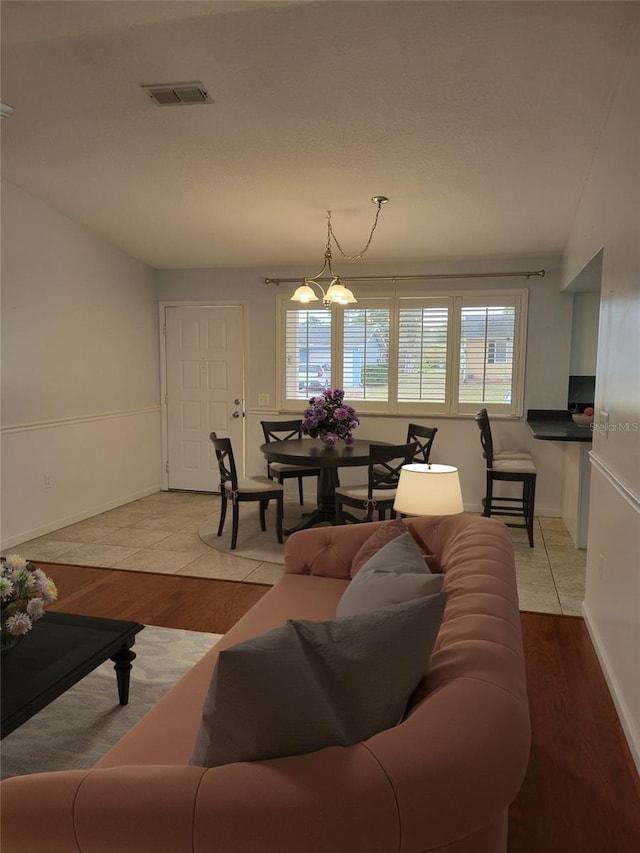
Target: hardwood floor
(581, 793)
(193, 604)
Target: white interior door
(205, 391)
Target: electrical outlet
(47, 481)
(264, 399)
(601, 566)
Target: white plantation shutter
(307, 343)
(365, 351)
(449, 353)
(490, 339)
(422, 350)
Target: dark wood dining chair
(240, 490)
(379, 492)
(424, 437)
(281, 471)
(507, 466)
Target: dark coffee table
(59, 651)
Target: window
(500, 352)
(307, 352)
(423, 335)
(365, 351)
(486, 368)
(436, 354)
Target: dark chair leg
(339, 513)
(489, 496)
(234, 532)
(223, 510)
(279, 514)
(530, 487)
(263, 514)
(300, 491)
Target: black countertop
(556, 425)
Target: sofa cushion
(385, 533)
(394, 574)
(308, 685)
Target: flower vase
(329, 439)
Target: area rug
(253, 543)
(78, 728)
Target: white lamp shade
(428, 490)
(336, 292)
(348, 297)
(304, 294)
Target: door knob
(237, 401)
(235, 415)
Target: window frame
(456, 300)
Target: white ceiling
(478, 119)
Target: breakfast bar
(558, 425)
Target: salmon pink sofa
(441, 780)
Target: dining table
(312, 453)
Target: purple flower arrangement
(329, 419)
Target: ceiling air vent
(174, 94)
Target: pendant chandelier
(337, 292)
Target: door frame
(162, 337)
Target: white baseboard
(626, 720)
(27, 535)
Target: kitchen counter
(556, 425)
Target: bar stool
(510, 466)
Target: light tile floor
(160, 533)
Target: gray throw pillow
(309, 685)
(384, 533)
(395, 573)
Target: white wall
(80, 374)
(584, 334)
(609, 216)
(457, 442)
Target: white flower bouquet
(24, 592)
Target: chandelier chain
(360, 254)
